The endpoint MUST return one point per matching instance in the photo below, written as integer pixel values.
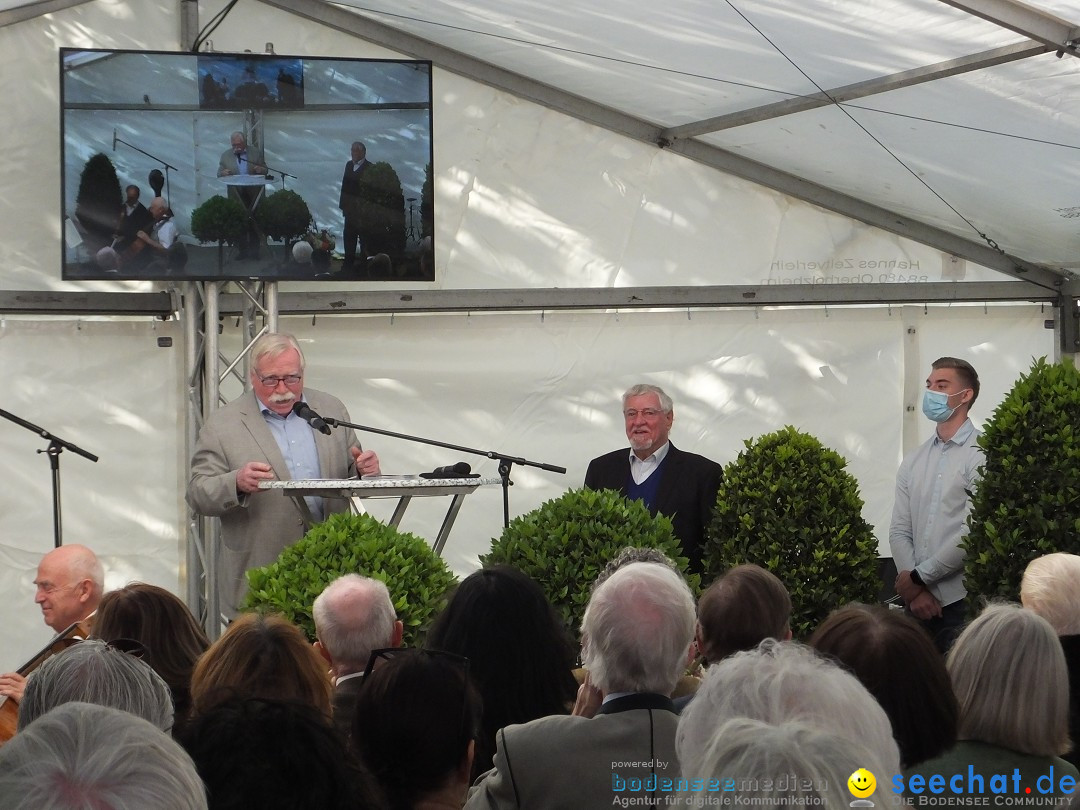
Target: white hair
(273, 344)
(641, 389)
(1051, 588)
(637, 630)
(780, 682)
(93, 672)
(80, 756)
(743, 758)
(353, 616)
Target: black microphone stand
(505, 461)
(53, 451)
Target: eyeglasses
(648, 413)
(387, 653)
(288, 379)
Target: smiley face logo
(861, 783)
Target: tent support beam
(1024, 20)
(638, 129)
(850, 92)
(601, 298)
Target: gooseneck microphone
(302, 410)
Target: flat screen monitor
(212, 166)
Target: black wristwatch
(916, 577)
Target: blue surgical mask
(935, 405)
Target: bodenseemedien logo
(861, 785)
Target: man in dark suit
(255, 438)
(679, 485)
(133, 218)
(635, 642)
(351, 204)
(353, 616)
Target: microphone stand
(282, 172)
(505, 461)
(53, 451)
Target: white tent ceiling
(950, 125)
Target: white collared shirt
(640, 470)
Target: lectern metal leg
(399, 510)
(448, 522)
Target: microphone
(302, 410)
(114, 140)
(459, 470)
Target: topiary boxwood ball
(416, 576)
(787, 504)
(1027, 501)
(565, 543)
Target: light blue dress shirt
(296, 440)
(930, 511)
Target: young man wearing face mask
(933, 499)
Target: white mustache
(287, 396)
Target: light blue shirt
(296, 440)
(930, 511)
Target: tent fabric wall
(107, 387)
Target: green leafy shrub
(787, 504)
(383, 210)
(283, 216)
(417, 577)
(219, 219)
(1027, 502)
(565, 543)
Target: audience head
(780, 682)
(415, 725)
(637, 630)
(81, 755)
(875, 644)
(275, 755)
(95, 672)
(965, 373)
(261, 656)
(162, 623)
(353, 616)
(1011, 681)
(520, 654)
(70, 581)
(1051, 588)
(632, 554)
(817, 763)
(743, 607)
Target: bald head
(69, 581)
(353, 616)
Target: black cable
(211, 26)
(867, 132)
(960, 126)
(573, 51)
